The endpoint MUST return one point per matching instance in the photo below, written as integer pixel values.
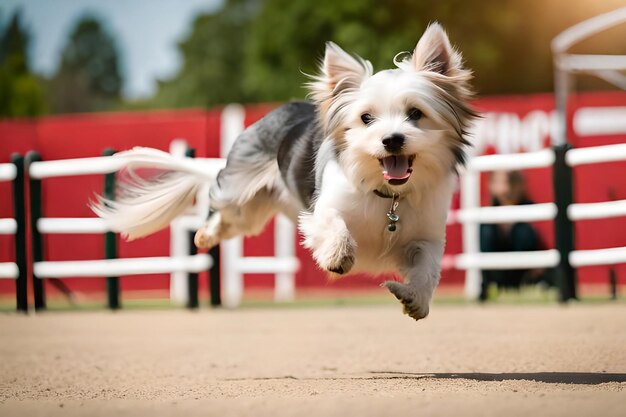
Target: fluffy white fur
(346, 227)
(155, 188)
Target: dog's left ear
(434, 52)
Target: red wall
(78, 136)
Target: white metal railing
(596, 154)
(122, 266)
(7, 172)
(591, 257)
(539, 159)
(508, 214)
(9, 270)
(107, 165)
(584, 211)
(75, 225)
(509, 260)
(8, 226)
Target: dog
(367, 169)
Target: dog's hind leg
(249, 219)
(421, 270)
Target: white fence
(283, 264)
(601, 210)
(8, 226)
(471, 214)
(110, 267)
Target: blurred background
(79, 76)
(69, 56)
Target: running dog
(367, 169)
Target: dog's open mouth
(397, 168)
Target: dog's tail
(152, 189)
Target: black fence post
(613, 283)
(110, 241)
(215, 276)
(192, 277)
(562, 180)
(19, 212)
(37, 246)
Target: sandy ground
(348, 361)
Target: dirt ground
(343, 361)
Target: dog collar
(383, 195)
(391, 214)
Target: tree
(213, 60)
(252, 51)
(22, 94)
(88, 78)
(508, 52)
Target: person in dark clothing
(507, 188)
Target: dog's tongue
(396, 167)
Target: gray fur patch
(289, 135)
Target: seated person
(507, 188)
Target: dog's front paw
(414, 305)
(327, 236)
(341, 266)
(336, 254)
(204, 239)
(336, 257)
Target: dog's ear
(339, 71)
(434, 52)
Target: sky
(146, 32)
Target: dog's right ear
(339, 72)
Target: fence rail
(596, 154)
(121, 267)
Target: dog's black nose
(394, 142)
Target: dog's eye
(415, 114)
(367, 118)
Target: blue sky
(146, 32)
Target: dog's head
(398, 127)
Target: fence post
(19, 212)
(562, 181)
(284, 248)
(110, 241)
(36, 238)
(613, 283)
(215, 276)
(470, 198)
(192, 277)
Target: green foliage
(20, 91)
(259, 51)
(88, 78)
(255, 52)
(213, 60)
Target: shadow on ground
(579, 378)
(575, 378)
